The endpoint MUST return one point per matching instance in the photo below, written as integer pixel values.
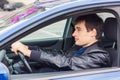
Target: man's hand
(18, 46)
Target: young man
(88, 31)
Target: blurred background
(23, 1)
(9, 5)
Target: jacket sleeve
(92, 60)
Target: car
(49, 24)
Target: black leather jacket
(92, 57)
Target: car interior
(110, 32)
(108, 41)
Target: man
(88, 31)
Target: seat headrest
(110, 29)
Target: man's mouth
(76, 39)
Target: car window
(54, 30)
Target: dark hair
(92, 21)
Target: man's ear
(93, 33)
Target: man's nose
(73, 34)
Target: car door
(70, 12)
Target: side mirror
(4, 72)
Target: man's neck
(91, 43)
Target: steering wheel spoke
(25, 62)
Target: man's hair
(92, 21)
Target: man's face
(82, 36)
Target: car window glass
(54, 30)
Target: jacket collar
(93, 48)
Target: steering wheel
(22, 57)
(3, 55)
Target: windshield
(28, 11)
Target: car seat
(110, 33)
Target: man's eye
(78, 30)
